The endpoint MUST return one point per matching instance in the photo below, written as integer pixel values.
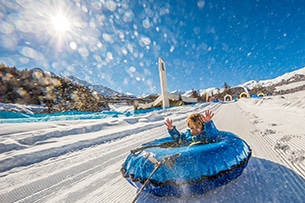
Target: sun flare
(61, 29)
(60, 23)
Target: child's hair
(195, 119)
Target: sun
(60, 23)
(61, 29)
(56, 23)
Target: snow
(290, 86)
(30, 109)
(80, 160)
(280, 78)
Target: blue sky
(117, 43)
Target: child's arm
(212, 133)
(211, 130)
(169, 123)
(208, 116)
(174, 133)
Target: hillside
(54, 92)
(102, 90)
(287, 83)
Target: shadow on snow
(261, 181)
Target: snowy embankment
(79, 161)
(15, 113)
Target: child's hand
(208, 116)
(169, 123)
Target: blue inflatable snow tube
(189, 170)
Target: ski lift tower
(163, 83)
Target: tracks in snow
(92, 173)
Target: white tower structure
(163, 83)
(165, 96)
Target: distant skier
(202, 129)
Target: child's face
(195, 130)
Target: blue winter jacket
(208, 135)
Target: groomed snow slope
(80, 161)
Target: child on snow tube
(202, 130)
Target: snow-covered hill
(287, 77)
(105, 91)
